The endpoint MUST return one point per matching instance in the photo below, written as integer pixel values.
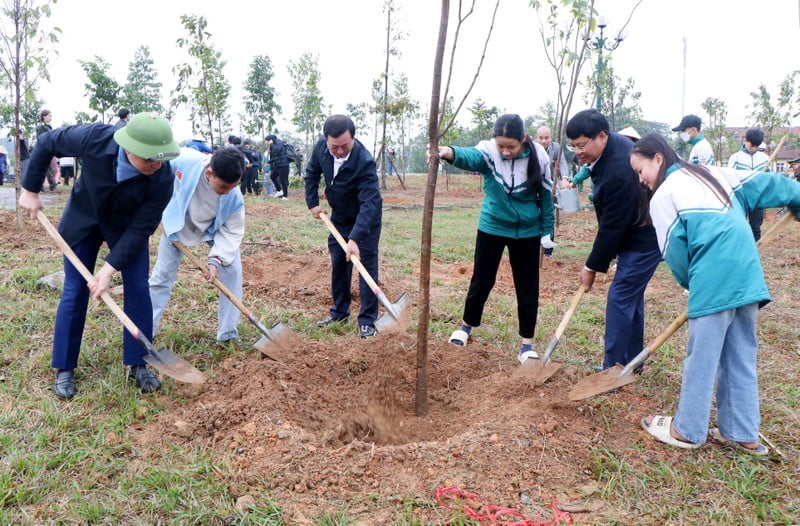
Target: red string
(492, 515)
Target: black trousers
(342, 272)
(756, 218)
(248, 182)
(523, 254)
(280, 178)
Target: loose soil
(335, 425)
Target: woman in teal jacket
(517, 212)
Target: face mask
(684, 136)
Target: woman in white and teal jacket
(699, 213)
(517, 212)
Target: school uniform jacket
(126, 213)
(701, 152)
(510, 208)
(744, 160)
(708, 245)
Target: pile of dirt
(337, 420)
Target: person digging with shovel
(517, 212)
(126, 184)
(206, 207)
(700, 216)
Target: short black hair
(588, 123)
(754, 136)
(43, 114)
(336, 125)
(228, 164)
(123, 113)
(234, 139)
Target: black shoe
(144, 378)
(64, 386)
(366, 331)
(329, 320)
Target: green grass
(79, 462)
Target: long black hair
(511, 125)
(652, 144)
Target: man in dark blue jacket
(125, 186)
(279, 166)
(351, 188)
(621, 233)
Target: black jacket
(277, 154)
(616, 204)
(354, 195)
(126, 213)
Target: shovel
(395, 310)
(163, 360)
(538, 371)
(618, 375)
(274, 342)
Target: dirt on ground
(337, 421)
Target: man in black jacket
(621, 233)
(279, 166)
(351, 188)
(125, 185)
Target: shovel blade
(276, 343)
(386, 320)
(536, 371)
(600, 383)
(169, 364)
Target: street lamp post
(600, 42)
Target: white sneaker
(524, 356)
(283, 198)
(279, 193)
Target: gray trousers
(163, 278)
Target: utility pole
(683, 90)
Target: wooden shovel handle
(567, 315)
(203, 268)
(353, 258)
(78, 264)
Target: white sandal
(459, 338)
(528, 355)
(659, 428)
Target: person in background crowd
(752, 158)
(689, 129)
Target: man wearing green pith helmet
(125, 186)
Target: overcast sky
(733, 46)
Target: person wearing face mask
(751, 158)
(689, 131)
(621, 233)
(517, 212)
(353, 193)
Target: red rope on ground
(493, 515)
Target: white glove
(547, 242)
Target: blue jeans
(163, 279)
(722, 346)
(71, 313)
(625, 306)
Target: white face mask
(684, 136)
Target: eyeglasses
(580, 149)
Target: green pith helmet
(148, 136)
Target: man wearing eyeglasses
(125, 184)
(621, 233)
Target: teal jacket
(510, 209)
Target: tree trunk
(385, 95)
(421, 391)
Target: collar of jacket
(696, 139)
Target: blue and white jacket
(701, 152)
(707, 244)
(744, 160)
(510, 209)
(225, 233)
